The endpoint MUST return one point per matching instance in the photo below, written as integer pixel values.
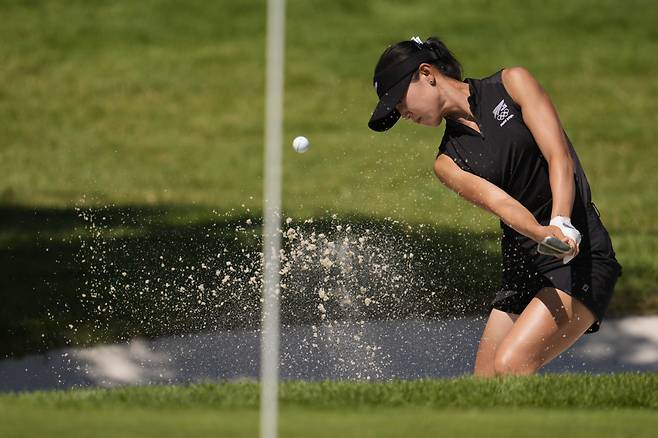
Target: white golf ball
(300, 144)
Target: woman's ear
(426, 71)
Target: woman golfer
(505, 150)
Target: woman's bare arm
(542, 120)
(486, 195)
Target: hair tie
(426, 46)
(418, 41)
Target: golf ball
(300, 144)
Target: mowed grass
(604, 406)
(303, 422)
(158, 105)
(160, 102)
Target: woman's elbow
(561, 161)
(440, 171)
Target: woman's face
(422, 101)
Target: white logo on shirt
(501, 112)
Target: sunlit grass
(159, 105)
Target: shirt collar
(474, 96)
(455, 127)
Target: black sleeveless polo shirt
(506, 154)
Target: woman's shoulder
(513, 76)
(506, 82)
(518, 82)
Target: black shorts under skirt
(593, 287)
(590, 277)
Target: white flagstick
(269, 363)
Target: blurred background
(131, 158)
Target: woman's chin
(431, 123)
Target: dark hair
(447, 64)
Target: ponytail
(447, 63)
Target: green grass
(158, 106)
(603, 406)
(152, 103)
(301, 422)
(555, 391)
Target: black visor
(391, 85)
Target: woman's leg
(498, 325)
(549, 325)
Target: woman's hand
(554, 231)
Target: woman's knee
(484, 370)
(513, 361)
(484, 359)
(498, 326)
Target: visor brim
(385, 114)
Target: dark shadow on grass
(85, 276)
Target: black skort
(590, 277)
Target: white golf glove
(564, 224)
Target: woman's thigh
(550, 324)
(498, 326)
